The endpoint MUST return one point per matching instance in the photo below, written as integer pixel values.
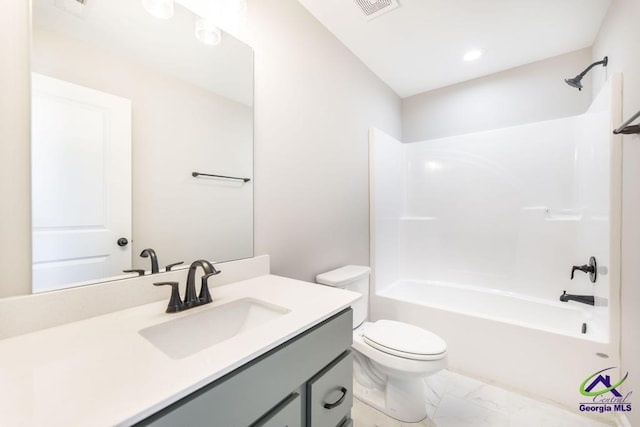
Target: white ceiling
(419, 46)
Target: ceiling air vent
(374, 8)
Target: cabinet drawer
(287, 413)
(330, 394)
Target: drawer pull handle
(337, 402)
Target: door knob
(123, 242)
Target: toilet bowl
(391, 359)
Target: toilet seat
(403, 340)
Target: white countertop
(102, 372)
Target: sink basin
(189, 334)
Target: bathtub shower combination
(475, 237)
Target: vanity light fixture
(472, 55)
(207, 31)
(161, 9)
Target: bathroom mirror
(125, 107)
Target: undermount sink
(192, 333)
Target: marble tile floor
(454, 400)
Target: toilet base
(403, 400)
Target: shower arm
(604, 62)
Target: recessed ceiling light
(472, 55)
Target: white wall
(314, 104)
(618, 38)
(527, 94)
(15, 150)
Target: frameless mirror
(125, 108)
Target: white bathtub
(530, 345)
(529, 312)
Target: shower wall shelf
(562, 215)
(628, 130)
(555, 214)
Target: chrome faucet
(154, 259)
(584, 299)
(190, 298)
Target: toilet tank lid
(343, 275)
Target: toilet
(391, 359)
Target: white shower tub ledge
(102, 372)
(552, 214)
(502, 306)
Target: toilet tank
(353, 278)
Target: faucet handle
(175, 303)
(170, 266)
(583, 268)
(205, 296)
(591, 269)
(140, 272)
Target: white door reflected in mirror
(81, 184)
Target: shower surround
(474, 237)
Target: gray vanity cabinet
(306, 381)
(287, 413)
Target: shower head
(577, 80)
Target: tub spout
(584, 299)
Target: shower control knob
(591, 269)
